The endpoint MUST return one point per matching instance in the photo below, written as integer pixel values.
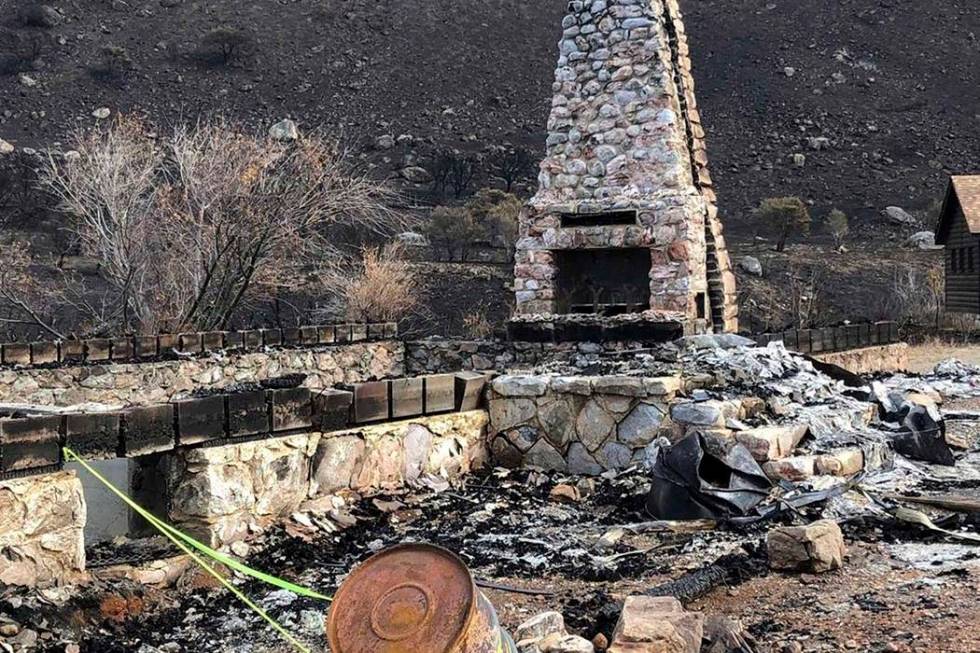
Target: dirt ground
(923, 357)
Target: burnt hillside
(880, 96)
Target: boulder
(384, 142)
(655, 624)
(5, 147)
(285, 131)
(898, 215)
(816, 548)
(925, 240)
(751, 265)
(416, 175)
(540, 626)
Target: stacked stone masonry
(579, 425)
(128, 384)
(222, 494)
(41, 525)
(625, 137)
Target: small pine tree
(838, 226)
(784, 216)
(225, 43)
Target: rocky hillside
(859, 104)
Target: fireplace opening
(603, 281)
(603, 219)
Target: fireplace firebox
(603, 281)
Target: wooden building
(959, 231)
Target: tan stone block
(818, 547)
(796, 468)
(846, 462)
(772, 442)
(657, 625)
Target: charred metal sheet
(93, 436)
(148, 429)
(200, 420)
(248, 414)
(407, 397)
(30, 442)
(705, 476)
(440, 394)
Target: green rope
(186, 543)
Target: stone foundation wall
(221, 494)
(162, 381)
(885, 358)
(41, 530)
(439, 356)
(581, 425)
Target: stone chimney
(625, 221)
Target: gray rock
(504, 454)
(557, 418)
(898, 215)
(614, 456)
(626, 386)
(752, 265)
(924, 240)
(336, 462)
(580, 461)
(520, 386)
(505, 414)
(5, 147)
(416, 175)
(546, 457)
(641, 426)
(418, 444)
(594, 425)
(27, 80)
(384, 142)
(285, 131)
(101, 113)
(412, 239)
(523, 437)
(44, 16)
(697, 414)
(716, 341)
(540, 626)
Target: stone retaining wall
(221, 494)
(41, 524)
(582, 425)
(869, 360)
(438, 356)
(130, 384)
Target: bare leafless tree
(190, 231)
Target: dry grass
(383, 289)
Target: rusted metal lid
(407, 599)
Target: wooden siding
(962, 265)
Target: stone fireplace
(624, 221)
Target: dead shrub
(383, 287)
(477, 325)
(193, 228)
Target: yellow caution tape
(186, 543)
